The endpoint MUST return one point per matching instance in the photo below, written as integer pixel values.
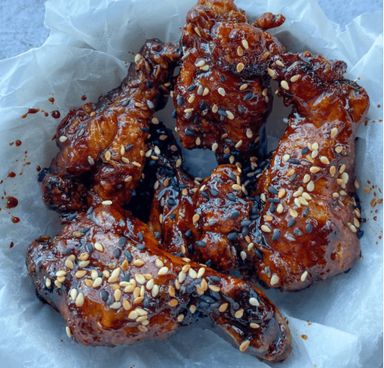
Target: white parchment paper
(86, 52)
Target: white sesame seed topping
(230, 115)
(240, 67)
(68, 331)
(334, 132)
(243, 86)
(244, 345)
(106, 203)
(304, 276)
(254, 302)
(79, 300)
(284, 84)
(272, 73)
(254, 325)
(265, 228)
(310, 186)
(295, 78)
(239, 313)
(221, 91)
(274, 280)
(163, 271)
(91, 161)
(324, 160)
(245, 44)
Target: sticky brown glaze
(222, 94)
(104, 143)
(310, 221)
(113, 285)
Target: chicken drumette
(222, 94)
(302, 222)
(102, 145)
(113, 285)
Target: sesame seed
(180, 318)
(159, 263)
(284, 84)
(295, 78)
(243, 255)
(192, 273)
(244, 345)
(274, 280)
(306, 178)
(195, 218)
(205, 68)
(314, 169)
(73, 294)
(243, 86)
(155, 120)
(238, 144)
(254, 302)
(163, 271)
(215, 108)
(200, 63)
(352, 227)
(79, 300)
(304, 276)
(239, 313)
(230, 115)
(286, 157)
(98, 281)
(214, 288)
(249, 133)
(272, 73)
(191, 98)
(324, 160)
(215, 146)
(245, 44)
(334, 132)
(236, 187)
(192, 308)
(197, 141)
(173, 303)
(155, 290)
(91, 161)
(221, 91)
(63, 138)
(140, 278)
(310, 186)
(314, 154)
(223, 307)
(240, 67)
(338, 149)
(265, 228)
(99, 247)
(80, 273)
(279, 63)
(239, 51)
(206, 91)
(106, 203)
(114, 275)
(279, 208)
(345, 177)
(254, 325)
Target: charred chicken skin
(222, 94)
(102, 145)
(107, 276)
(301, 224)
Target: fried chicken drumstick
(302, 222)
(102, 145)
(113, 285)
(222, 94)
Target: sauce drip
(12, 202)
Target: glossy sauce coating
(310, 219)
(222, 95)
(106, 275)
(102, 145)
(301, 222)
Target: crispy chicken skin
(102, 145)
(301, 224)
(222, 95)
(310, 220)
(113, 285)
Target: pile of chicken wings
(145, 247)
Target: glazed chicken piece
(102, 145)
(222, 94)
(310, 218)
(113, 285)
(302, 222)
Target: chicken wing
(113, 285)
(222, 94)
(102, 145)
(310, 218)
(301, 224)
